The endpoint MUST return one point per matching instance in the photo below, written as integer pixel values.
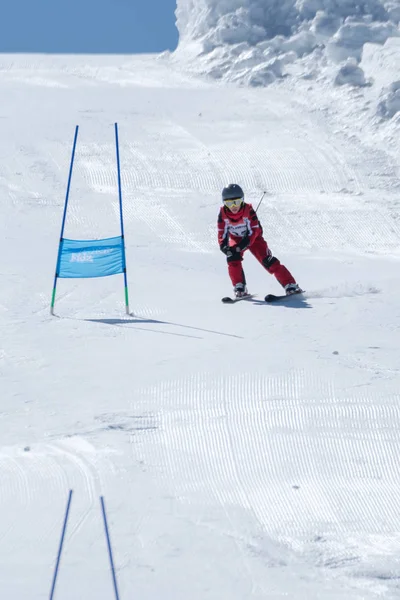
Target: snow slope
(246, 451)
(351, 48)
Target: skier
(239, 230)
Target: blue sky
(88, 26)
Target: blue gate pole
(109, 548)
(61, 546)
(122, 220)
(53, 298)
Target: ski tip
(228, 300)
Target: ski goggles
(233, 202)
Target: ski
(272, 298)
(268, 298)
(228, 300)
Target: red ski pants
(263, 254)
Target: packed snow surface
(244, 452)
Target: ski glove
(224, 247)
(229, 251)
(243, 244)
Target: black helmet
(232, 191)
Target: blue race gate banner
(91, 258)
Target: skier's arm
(256, 228)
(253, 234)
(223, 236)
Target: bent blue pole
(121, 220)
(53, 587)
(53, 298)
(109, 548)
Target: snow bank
(349, 40)
(350, 74)
(253, 41)
(382, 65)
(390, 103)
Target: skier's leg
(236, 273)
(264, 255)
(282, 274)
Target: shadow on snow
(136, 320)
(295, 301)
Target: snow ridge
(257, 42)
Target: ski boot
(240, 290)
(292, 288)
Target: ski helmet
(232, 192)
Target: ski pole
(110, 554)
(262, 198)
(53, 586)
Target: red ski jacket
(232, 228)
